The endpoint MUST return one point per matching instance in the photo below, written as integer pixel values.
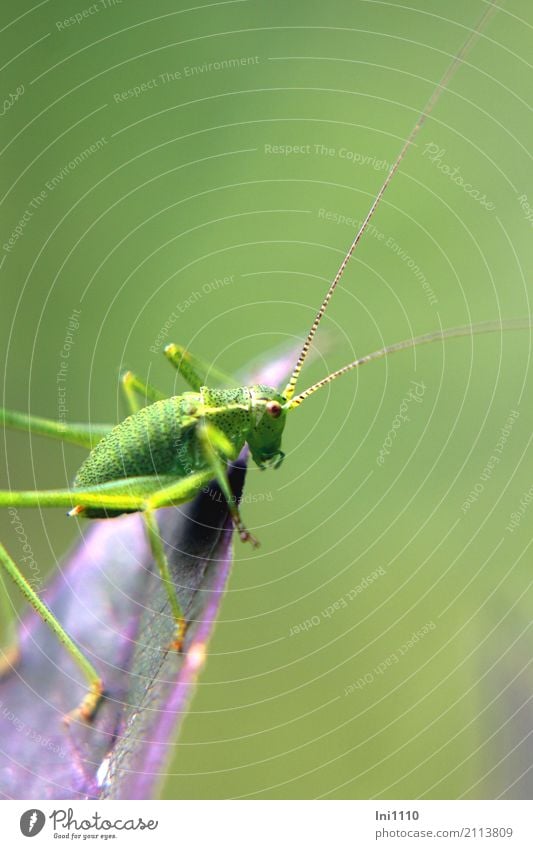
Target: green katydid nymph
(169, 448)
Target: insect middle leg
(160, 557)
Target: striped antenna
(440, 87)
(436, 336)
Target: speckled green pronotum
(169, 448)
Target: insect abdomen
(150, 442)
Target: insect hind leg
(195, 371)
(86, 435)
(10, 650)
(137, 392)
(93, 697)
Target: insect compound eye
(274, 409)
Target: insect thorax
(229, 411)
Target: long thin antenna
(450, 333)
(441, 86)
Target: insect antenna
(435, 336)
(289, 390)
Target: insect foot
(181, 630)
(86, 710)
(246, 536)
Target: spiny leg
(135, 390)
(195, 370)
(86, 435)
(184, 489)
(119, 495)
(214, 443)
(129, 494)
(160, 557)
(133, 494)
(126, 494)
(91, 700)
(111, 497)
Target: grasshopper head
(266, 428)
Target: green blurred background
(180, 188)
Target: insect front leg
(93, 697)
(214, 443)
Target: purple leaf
(111, 602)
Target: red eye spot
(274, 409)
